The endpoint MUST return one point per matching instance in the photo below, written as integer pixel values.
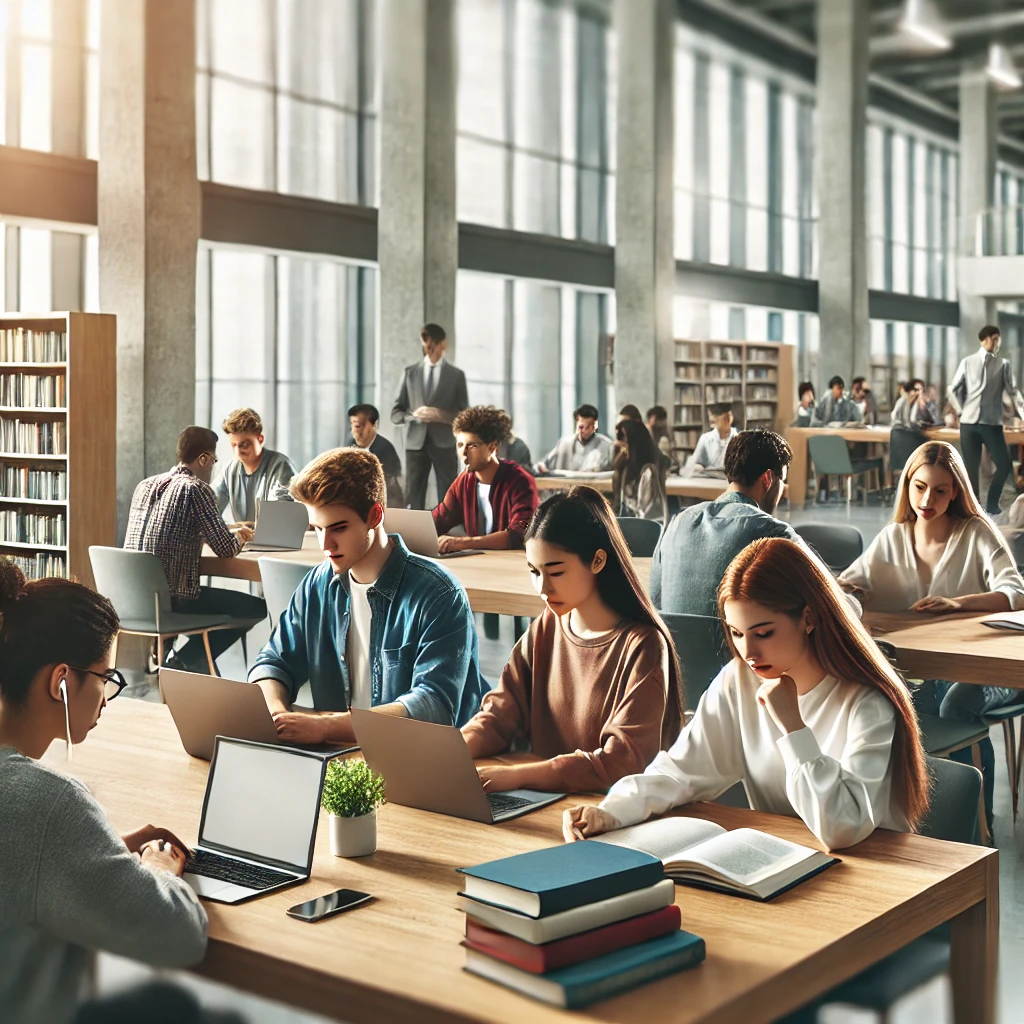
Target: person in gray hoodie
(69, 884)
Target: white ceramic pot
(354, 837)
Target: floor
(1009, 837)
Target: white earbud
(67, 718)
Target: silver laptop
(205, 707)
(429, 766)
(259, 821)
(417, 529)
(280, 526)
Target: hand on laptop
(446, 544)
(147, 834)
(296, 727)
(160, 855)
(498, 778)
(244, 534)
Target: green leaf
(352, 789)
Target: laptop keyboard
(502, 802)
(224, 869)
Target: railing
(999, 231)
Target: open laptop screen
(262, 802)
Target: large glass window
(901, 350)
(43, 269)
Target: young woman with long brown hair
(594, 685)
(808, 715)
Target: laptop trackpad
(215, 889)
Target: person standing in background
(363, 420)
(432, 394)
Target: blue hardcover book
(545, 882)
(581, 984)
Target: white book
(744, 862)
(1006, 620)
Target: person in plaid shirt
(171, 515)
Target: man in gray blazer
(433, 392)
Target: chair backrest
(830, 455)
(953, 812)
(129, 579)
(642, 535)
(281, 579)
(903, 442)
(837, 544)
(702, 651)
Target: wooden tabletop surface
(399, 958)
(705, 488)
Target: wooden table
(954, 647)
(399, 959)
(705, 488)
(497, 581)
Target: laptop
(280, 526)
(259, 821)
(417, 529)
(429, 766)
(205, 707)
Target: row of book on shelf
(25, 345)
(31, 483)
(31, 437)
(20, 527)
(33, 390)
(41, 565)
(584, 921)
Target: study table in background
(399, 959)
(705, 488)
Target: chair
(281, 579)
(1007, 718)
(831, 457)
(135, 584)
(702, 651)
(903, 442)
(642, 535)
(838, 546)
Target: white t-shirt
(359, 644)
(483, 500)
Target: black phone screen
(333, 903)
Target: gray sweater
(68, 888)
(240, 491)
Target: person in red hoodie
(494, 499)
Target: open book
(743, 862)
(1006, 620)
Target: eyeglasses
(208, 455)
(113, 681)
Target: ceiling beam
(962, 28)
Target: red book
(574, 949)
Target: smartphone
(333, 903)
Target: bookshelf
(58, 418)
(758, 378)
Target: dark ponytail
(48, 622)
(582, 523)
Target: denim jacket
(423, 642)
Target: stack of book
(575, 923)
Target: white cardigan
(835, 774)
(974, 562)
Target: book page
(747, 855)
(1005, 620)
(664, 839)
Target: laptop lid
(280, 524)
(416, 527)
(262, 803)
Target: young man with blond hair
(371, 626)
(256, 473)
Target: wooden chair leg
(1010, 742)
(983, 831)
(209, 652)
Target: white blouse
(975, 562)
(835, 773)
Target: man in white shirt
(585, 451)
(709, 455)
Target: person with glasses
(172, 515)
(69, 884)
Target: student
(516, 450)
(835, 407)
(808, 715)
(585, 451)
(864, 399)
(173, 515)
(494, 499)
(255, 474)
(911, 408)
(371, 626)
(940, 554)
(432, 393)
(594, 686)
(629, 412)
(657, 422)
(932, 401)
(69, 884)
(709, 455)
(979, 385)
(363, 420)
(638, 483)
(698, 545)
(805, 410)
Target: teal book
(545, 882)
(606, 976)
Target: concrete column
(843, 65)
(417, 236)
(978, 131)
(644, 221)
(149, 221)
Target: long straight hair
(779, 574)
(945, 456)
(640, 449)
(582, 523)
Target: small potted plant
(352, 794)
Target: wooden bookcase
(58, 419)
(756, 377)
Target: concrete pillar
(644, 219)
(149, 222)
(843, 65)
(417, 235)
(978, 131)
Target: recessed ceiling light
(921, 20)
